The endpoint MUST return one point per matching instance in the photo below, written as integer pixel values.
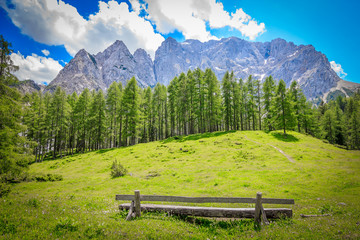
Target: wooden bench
(258, 213)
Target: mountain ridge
(279, 58)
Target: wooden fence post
(258, 208)
(137, 203)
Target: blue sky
(46, 34)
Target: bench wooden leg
(263, 216)
(137, 204)
(131, 213)
(258, 208)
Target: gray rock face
(28, 86)
(144, 68)
(279, 58)
(98, 71)
(80, 73)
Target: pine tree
(295, 96)
(113, 101)
(191, 90)
(15, 153)
(97, 119)
(130, 102)
(59, 111)
(82, 110)
(251, 103)
(72, 99)
(268, 96)
(6, 64)
(285, 119)
(328, 125)
(199, 101)
(213, 102)
(226, 94)
(172, 91)
(258, 100)
(235, 102)
(243, 104)
(146, 106)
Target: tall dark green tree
(268, 100)
(213, 101)
(130, 102)
(113, 102)
(227, 96)
(282, 105)
(98, 120)
(82, 109)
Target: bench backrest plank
(203, 199)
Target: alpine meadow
(191, 133)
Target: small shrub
(4, 189)
(66, 224)
(117, 170)
(48, 177)
(33, 202)
(7, 227)
(15, 177)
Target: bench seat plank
(159, 198)
(211, 211)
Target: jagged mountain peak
(140, 52)
(279, 58)
(81, 53)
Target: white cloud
(338, 69)
(190, 17)
(34, 67)
(136, 6)
(45, 52)
(54, 22)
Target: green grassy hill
(322, 178)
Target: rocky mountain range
(28, 86)
(279, 58)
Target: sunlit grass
(323, 179)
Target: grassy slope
(235, 164)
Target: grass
(323, 180)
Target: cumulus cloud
(338, 69)
(45, 52)
(54, 22)
(34, 67)
(191, 16)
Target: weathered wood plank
(131, 211)
(157, 198)
(263, 215)
(137, 203)
(211, 211)
(258, 208)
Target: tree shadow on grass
(194, 137)
(284, 138)
(214, 223)
(105, 150)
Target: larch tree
(130, 102)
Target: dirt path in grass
(278, 149)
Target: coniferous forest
(51, 125)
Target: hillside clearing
(322, 180)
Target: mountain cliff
(279, 58)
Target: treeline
(339, 121)
(195, 102)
